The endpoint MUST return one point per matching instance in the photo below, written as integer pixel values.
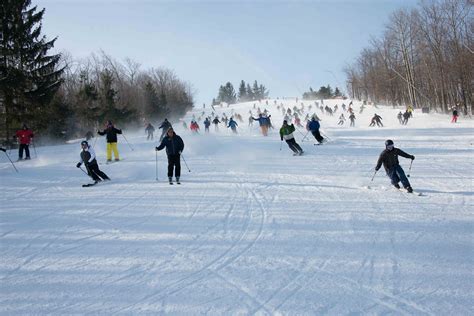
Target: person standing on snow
(455, 116)
(313, 126)
(164, 126)
(207, 123)
(352, 117)
(174, 147)
(88, 158)
(111, 135)
(24, 136)
(216, 121)
(342, 119)
(389, 159)
(377, 119)
(286, 132)
(263, 122)
(150, 129)
(233, 125)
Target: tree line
(322, 93)
(424, 58)
(246, 93)
(63, 97)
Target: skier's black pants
(317, 135)
(26, 147)
(95, 173)
(294, 146)
(150, 136)
(396, 174)
(174, 161)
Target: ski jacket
(286, 132)
(262, 121)
(232, 124)
(165, 126)
(313, 125)
(389, 158)
(88, 156)
(24, 136)
(207, 123)
(174, 145)
(216, 121)
(111, 134)
(150, 128)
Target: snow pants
(317, 135)
(112, 147)
(174, 162)
(294, 146)
(454, 119)
(95, 173)
(264, 130)
(396, 174)
(26, 148)
(150, 136)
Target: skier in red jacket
(24, 136)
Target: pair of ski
(401, 190)
(93, 183)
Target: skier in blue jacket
(313, 126)
(174, 147)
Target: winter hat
(84, 142)
(388, 143)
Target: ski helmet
(388, 142)
(84, 143)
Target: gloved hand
(412, 157)
(377, 169)
(3, 149)
(156, 148)
(78, 165)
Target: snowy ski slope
(251, 230)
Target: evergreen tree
(250, 94)
(29, 77)
(263, 92)
(152, 102)
(227, 94)
(243, 92)
(256, 91)
(337, 93)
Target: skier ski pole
(84, 171)
(305, 137)
(409, 169)
(299, 131)
(34, 149)
(156, 165)
(373, 176)
(185, 163)
(127, 142)
(11, 161)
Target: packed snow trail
(251, 230)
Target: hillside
(252, 229)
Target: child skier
(88, 158)
(286, 132)
(389, 159)
(174, 147)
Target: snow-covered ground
(251, 230)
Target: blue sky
(286, 45)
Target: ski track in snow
(252, 229)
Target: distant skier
(342, 119)
(207, 123)
(111, 136)
(164, 126)
(88, 158)
(352, 117)
(313, 126)
(194, 127)
(377, 119)
(406, 116)
(455, 116)
(24, 137)
(286, 132)
(216, 122)
(89, 135)
(400, 117)
(263, 122)
(389, 159)
(250, 120)
(150, 129)
(174, 147)
(233, 125)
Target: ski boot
(409, 189)
(177, 180)
(170, 179)
(396, 186)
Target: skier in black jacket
(389, 159)
(164, 127)
(174, 147)
(88, 158)
(111, 135)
